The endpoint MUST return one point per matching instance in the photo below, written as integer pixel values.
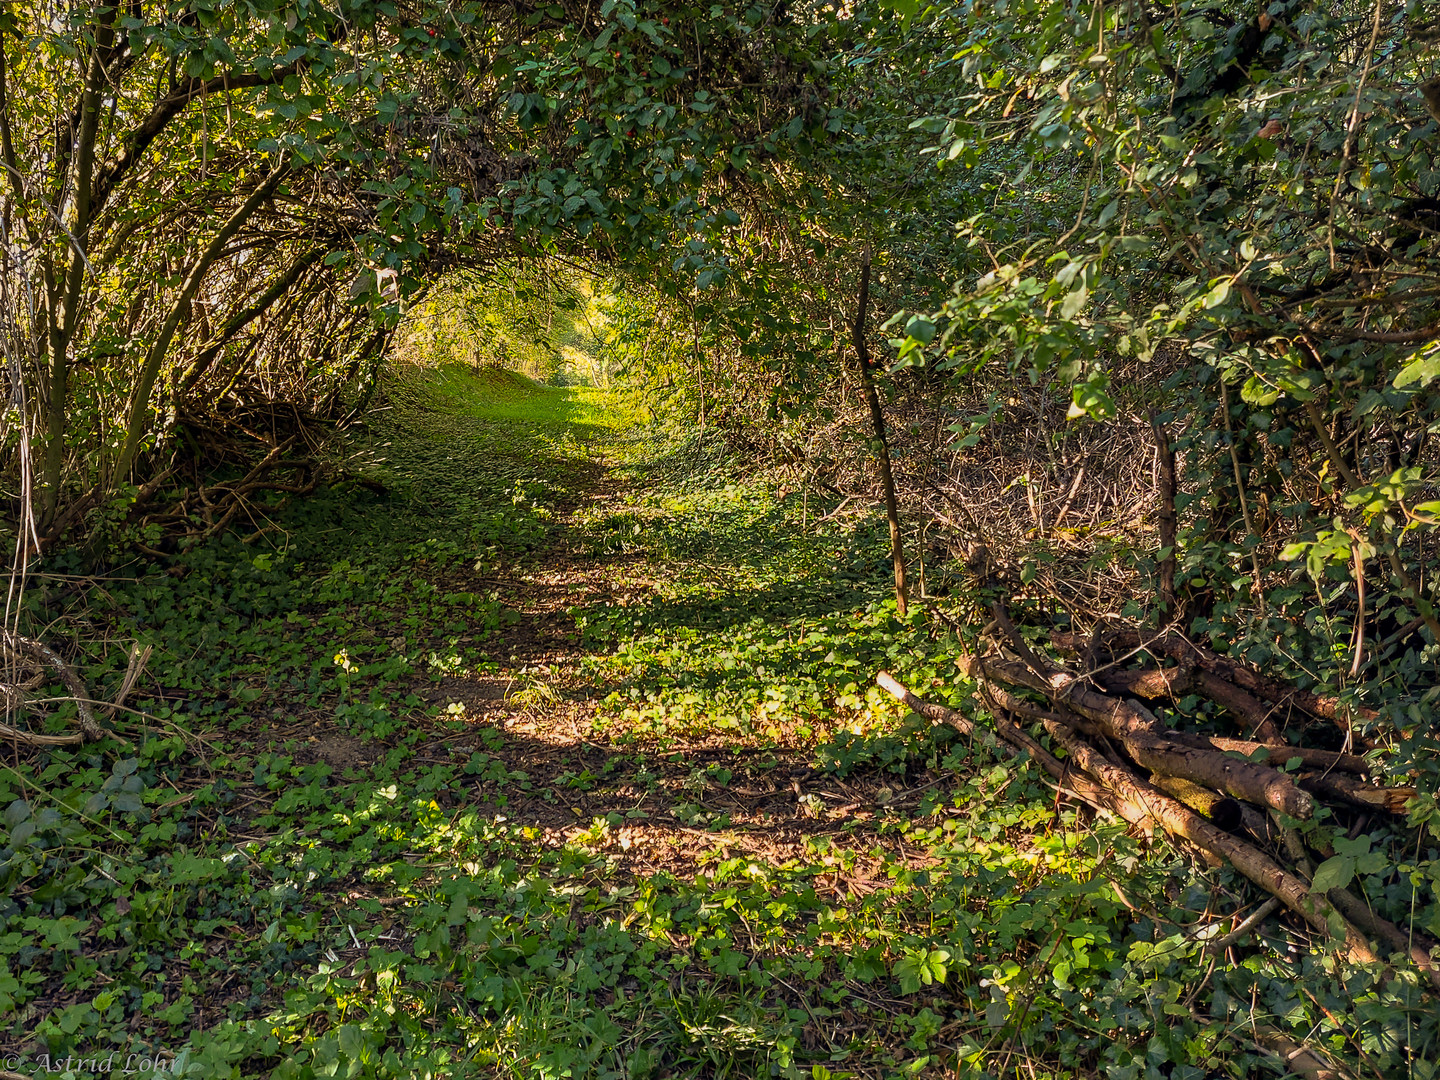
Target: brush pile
(1244, 800)
(28, 665)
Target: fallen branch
(15, 698)
(1416, 945)
(31, 739)
(1184, 651)
(38, 651)
(1166, 520)
(1254, 919)
(1149, 745)
(937, 713)
(1111, 715)
(1295, 1058)
(1269, 754)
(1173, 683)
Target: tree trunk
(882, 447)
(64, 303)
(1167, 522)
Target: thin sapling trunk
(882, 446)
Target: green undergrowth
(216, 892)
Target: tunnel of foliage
(1125, 312)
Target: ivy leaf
(996, 1013)
(1090, 399)
(1074, 300)
(127, 801)
(1333, 873)
(1423, 369)
(921, 329)
(1218, 294)
(1257, 392)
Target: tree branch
(165, 110)
(135, 427)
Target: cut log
(1257, 718)
(1149, 745)
(1173, 683)
(1179, 820)
(1184, 651)
(1348, 790)
(1224, 812)
(1258, 784)
(1070, 781)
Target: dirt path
(667, 806)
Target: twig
(1166, 519)
(1244, 503)
(1259, 915)
(89, 726)
(138, 659)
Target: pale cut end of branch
(888, 683)
(938, 714)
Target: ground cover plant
(544, 749)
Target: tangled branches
(26, 663)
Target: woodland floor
(552, 750)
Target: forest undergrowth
(549, 746)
